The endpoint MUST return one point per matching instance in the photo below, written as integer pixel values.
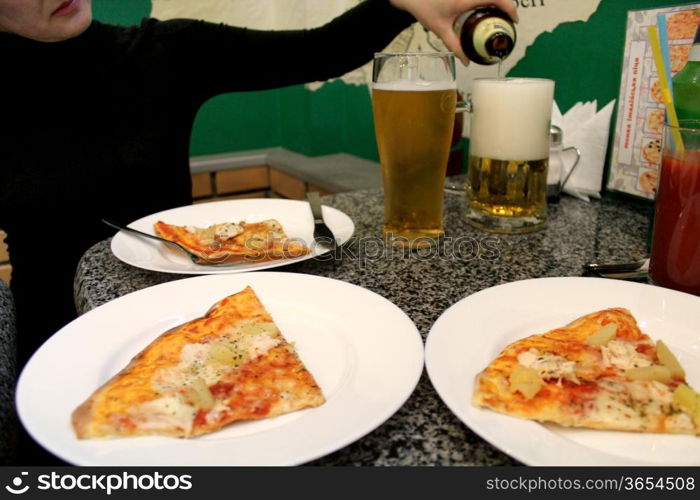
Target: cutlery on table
(195, 258)
(623, 270)
(322, 233)
(633, 275)
(622, 267)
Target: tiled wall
(258, 181)
(5, 268)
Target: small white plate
(295, 217)
(471, 333)
(363, 351)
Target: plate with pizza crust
(471, 333)
(293, 215)
(367, 365)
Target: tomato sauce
(648, 349)
(675, 251)
(221, 389)
(575, 397)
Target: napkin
(587, 129)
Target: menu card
(636, 152)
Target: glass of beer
(414, 97)
(506, 185)
(675, 247)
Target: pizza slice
(683, 24)
(231, 242)
(600, 372)
(232, 364)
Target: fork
(197, 259)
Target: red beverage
(675, 251)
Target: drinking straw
(663, 42)
(664, 79)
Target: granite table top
(424, 431)
(8, 421)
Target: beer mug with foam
(508, 154)
(414, 99)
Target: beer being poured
(487, 35)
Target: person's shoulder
(147, 28)
(100, 28)
(152, 40)
(171, 27)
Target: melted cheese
(227, 230)
(195, 362)
(548, 365)
(223, 231)
(681, 421)
(275, 228)
(614, 407)
(623, 355)
(631, 404)
(165, 413)
(260, 344)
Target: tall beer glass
(414, 97)
(508, 154)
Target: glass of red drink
(675, 248)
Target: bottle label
(485, 30)
(460, 21)
(695, 51)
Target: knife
(322, 233)
(632, 275)
(624, 267)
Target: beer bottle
(686, 85)
(487, 34)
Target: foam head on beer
(509, 153)
(511, 118)
(414, 85)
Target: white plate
(295, 217)
(471, 333)
(364, 352)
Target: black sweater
(99, 126)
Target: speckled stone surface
(8, 421)
(424, 431)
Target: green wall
(583, 58)
(126, 12)
(335, 118)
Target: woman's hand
(439, 17)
